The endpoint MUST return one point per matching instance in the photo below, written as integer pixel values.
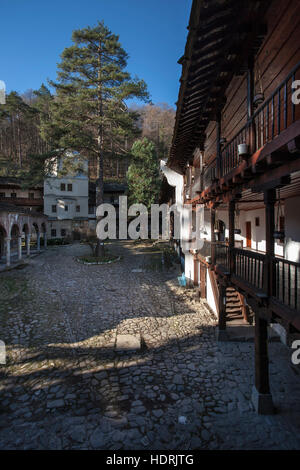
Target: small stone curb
(98, 262)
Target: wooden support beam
(231, 235)
(269, 199)
(212, 234)
(271, 184)
(261, 396)
(250, 106)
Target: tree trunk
(99, 251)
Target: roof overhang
(223, 34)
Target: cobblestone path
(65, 387)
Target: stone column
(19, 247)
(45, 240)
(38, 241)
(28, 244)
(7, 241)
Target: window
(70, 187)
(66, 208)
(62, 186)
(77, 208)
(63, 232)
(53, 208)
(13, 195)
(53, 232)
(31, 195)
(256, 221)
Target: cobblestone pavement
(65, 387)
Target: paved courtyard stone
(65, 386)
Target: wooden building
(236, 152)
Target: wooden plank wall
(279, 53)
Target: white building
(66, 199)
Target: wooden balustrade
(250, 267)
(275, 115)
(287, 282)
(222, 255)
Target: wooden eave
(221, 36)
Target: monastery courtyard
(66, 386)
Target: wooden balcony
(257, 273)
(269, 121)
(287, 283)
(270, 277)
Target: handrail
(250, 266)
(269, 120)
(287, 282)
(287, 78)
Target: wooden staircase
(236, 309)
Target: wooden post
(231, 236)
(250, 107)
(261, 396)
(269, 278)
(219, 155)
(221, 330)
(212, 235)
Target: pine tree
(13, 114)
(89, 113)
(143, 174)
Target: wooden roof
(222, 34)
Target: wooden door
(248, 234)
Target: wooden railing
(276, 114)
(230, 158)
(222, 255)
(287, 282)
(250, 267)
(210, 174)
(285, 275)
(205, 250)
(253, 267)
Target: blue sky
(33, 33)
